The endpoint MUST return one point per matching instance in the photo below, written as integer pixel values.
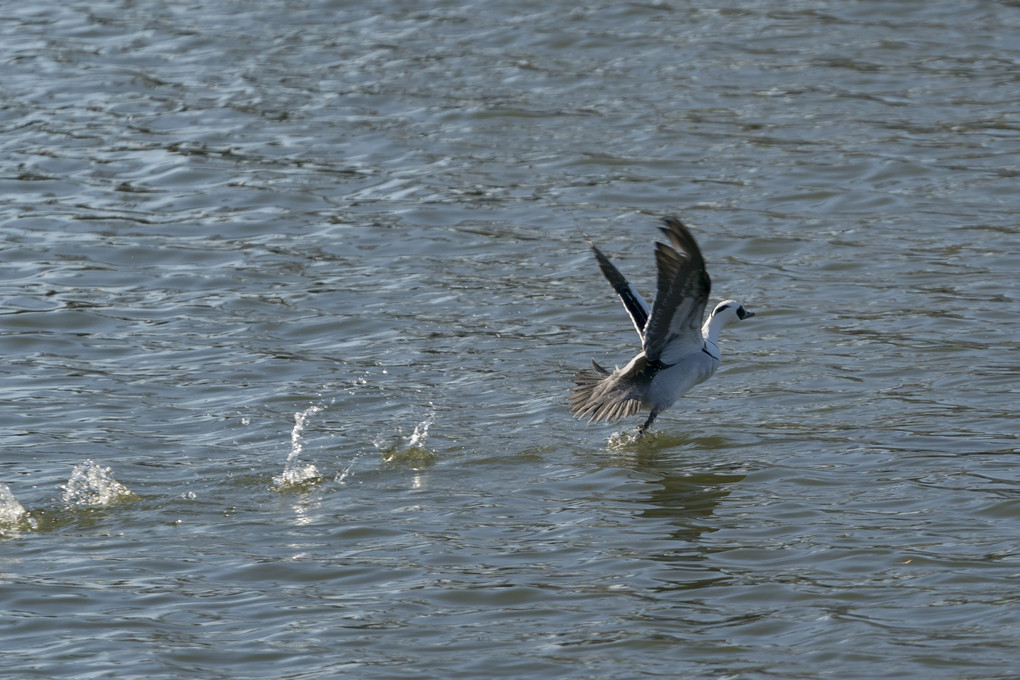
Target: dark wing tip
(680, 236)
(683, 240)
(671, 222)
(683, 289)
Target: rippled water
(292, 294)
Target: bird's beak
(747, 314)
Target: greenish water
(292, 294)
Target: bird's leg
(648, 423)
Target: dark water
(292, 293)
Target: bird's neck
(710, 331)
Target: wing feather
(681, 294)
(635, 305)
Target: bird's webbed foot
(648, 423)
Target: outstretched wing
(681, 294)
(631, 298)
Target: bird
(678, 351)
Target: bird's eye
(741, 313)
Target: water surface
(292, 294)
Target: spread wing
(681, 294)
(631, 298)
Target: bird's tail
(600, 396)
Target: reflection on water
(688, 500)
(685, 496)
(306, 505)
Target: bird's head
(728, 311)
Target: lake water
(292, 294)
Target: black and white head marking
(731, 311)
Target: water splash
(631, 440)
(411, 451)
(295, 474)
(342, 476)
(92, 485)
(623, 440)
(420, 434)
(12, 514)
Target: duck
(679, 347)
